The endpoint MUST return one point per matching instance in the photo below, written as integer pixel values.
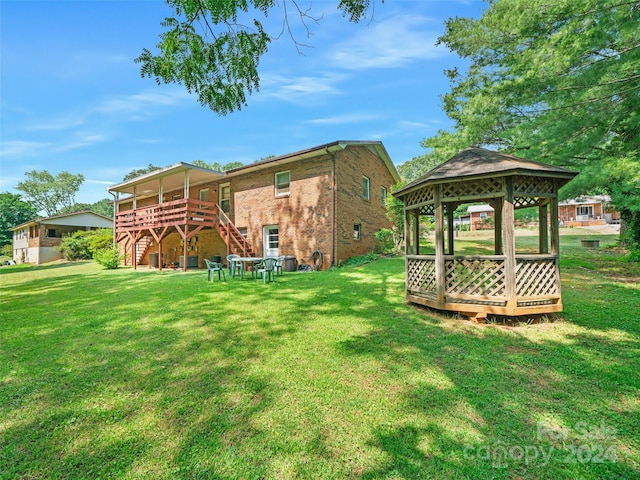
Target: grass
(142, 374)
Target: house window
(357, 231)
(383, 196)
(366, 185)
(283, 182)
(203, 196)
(243, 231)
(584, 212)
(483, 215)
(51, 233)
(225, 197)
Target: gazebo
(505, 283)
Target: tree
(140, 171)
(216, 166)
(103, 207)
(418, 166)
(13, 212)
(48, 193)
(213, 48)
(553, 81)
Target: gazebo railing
(481, 279)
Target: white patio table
(251, 261)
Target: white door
(270, 241)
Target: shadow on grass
(116, 373)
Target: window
(225, 197)
(283, 182)
(357, 231)
(366, 184)
(585, 211)
(383, 196)
(243, 231)
(203, 196)
(483, 215)
(51, 233)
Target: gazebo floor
(477, 309)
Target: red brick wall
(351, 164)
(303, 217)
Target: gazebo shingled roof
(505, 283)
(476, 161)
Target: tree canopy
(13, 212)
(49, 193)
(552, 81)
(213, 48)
(217, 166)
(140, 171)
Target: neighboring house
(586, 211)
(478, 215)
(37, 241)
(329, 199)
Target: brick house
(328, 198)
(478, 215)
(37, 241)
(587, 211)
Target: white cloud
(99, 182)
(303, 89)
(64, 122)
(82, 140)
(346, 118)
(22, 148)
(140, 103)
(389, 44)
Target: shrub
(7, 250)
(359, 260)
(81, 245)
(109, 258)
(385, 239)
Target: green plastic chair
(279, 263)
(212, 268)
(234, 264)
(266, 269)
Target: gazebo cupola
(505, 283)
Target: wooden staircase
(236, 243)
(142, 247)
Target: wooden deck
(136, 227)
(185, 211)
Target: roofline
(332, 147)
(504, 173)
(44, 219)
(163, 172)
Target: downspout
(334, 229)
(115, 211)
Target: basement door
(270, 242)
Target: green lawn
(142, 374)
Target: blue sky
(71, 97)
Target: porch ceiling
(172, 177)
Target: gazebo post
(509, 244)
(555, 231)
(543, 229)
(497, 219)
(450, 209)
(416, 231)
(407, 232)
(439, 217)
